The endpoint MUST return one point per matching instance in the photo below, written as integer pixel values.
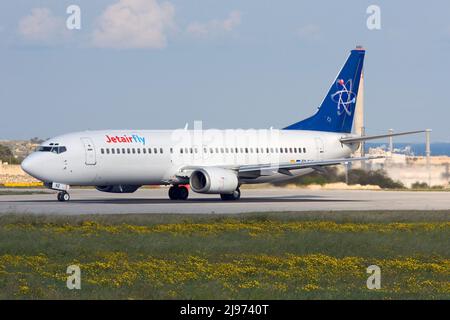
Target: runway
(89, 201)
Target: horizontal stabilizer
(380, 136)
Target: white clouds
(215, 27)
(134, 24)
(125, 24)
(42, 26)
(309, 32)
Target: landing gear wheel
(236, 195)
(183, 193)
(173, 193)
(63, 196)
(178, 193)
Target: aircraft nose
(30, 165)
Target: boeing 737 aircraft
(209, 161)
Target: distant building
(409, 169)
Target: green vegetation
(378, 178)
(355, 176)
(7, 156)
(249, 256)
(419, 185)
(20, 192)
(424, 186)
(37, 140)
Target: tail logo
(344, 97)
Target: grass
(290, 255)
(21, 192)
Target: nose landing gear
(178, 192)
(63, 196)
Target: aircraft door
(320, 148)
(89, 151)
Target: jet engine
(121, 188)
(213, 180)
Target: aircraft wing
(284, 168)
(352, 139)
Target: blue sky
(232, 64)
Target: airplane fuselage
(154, 157)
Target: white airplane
(209, 161)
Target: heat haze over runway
(89, 201)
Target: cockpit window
(54, 149)
(62, 149)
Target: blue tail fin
(336, 112)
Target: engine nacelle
(118, 188)
(213, 180)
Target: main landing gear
(178, 193)
(236, 195)
(63, 196)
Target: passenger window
(271, 150)
(257, 150)
(281, 150)
(304, 150)
(113, 151)
(205, 150)
(195, 150)
(149, 150)
(211, 150)
(299, 150)
(285, 150)
(155, 150)
(128, 150)
(161, 150)
(107, 150)
(217, 150)
(171, 150)
(181, 150)
(102, 150)
(290, 150)
(123, 150)
(246, 150)
(133, 150)
(144, 150)
(118, 151)
(139, 150)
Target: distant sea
(417, 149)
